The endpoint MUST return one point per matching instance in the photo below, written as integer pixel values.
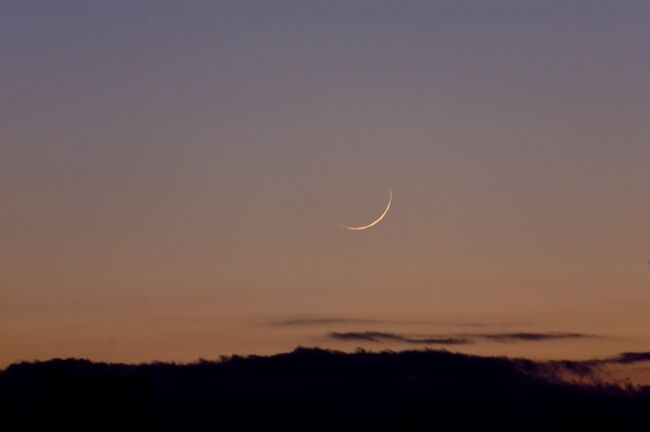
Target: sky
(174, 176)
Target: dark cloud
(628, 357)
(373, 336)
(632, 357)
(589, 371)
(528, 336)
(380, 336)
(369, 336)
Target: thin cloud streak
(528, 336)
(372, 336)
(630, 357)
(379, 337)
(322, 321)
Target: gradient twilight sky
(173, 174)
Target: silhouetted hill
(314, 389)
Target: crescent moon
(376, 221)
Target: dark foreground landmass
(313, 389)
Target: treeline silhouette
(314, 390)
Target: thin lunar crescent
(376, 221)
